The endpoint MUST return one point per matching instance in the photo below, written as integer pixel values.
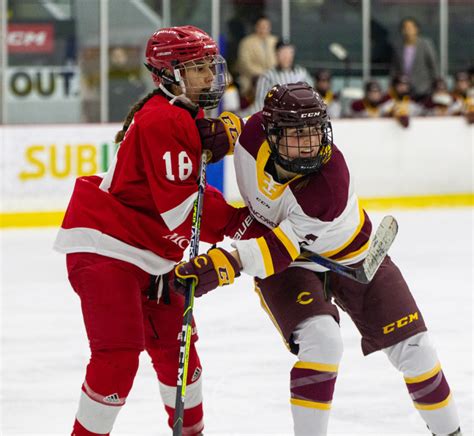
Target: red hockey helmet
(296, 109)
(171, 51)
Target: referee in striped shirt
(284, 72)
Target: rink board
(428, 164)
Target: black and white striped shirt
(275, 76)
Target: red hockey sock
(109, 378)
(79, 430)
(165, 362)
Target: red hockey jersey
(140, 211)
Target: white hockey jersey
(319, 212)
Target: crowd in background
(415, 87)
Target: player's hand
(216, 268)
(218, 135)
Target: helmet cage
(295, 155)
(207, 98)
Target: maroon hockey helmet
(172, 51)
(296, 109)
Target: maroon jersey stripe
(361, 239)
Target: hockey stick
(186, 330)
(383, 239)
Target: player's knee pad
(109, 378)
(319, 340)
(165, 362)
(313, 377)
(413, 356)
(112, 372)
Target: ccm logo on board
(30, 38)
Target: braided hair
(135, 108)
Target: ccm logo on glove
(216, 268)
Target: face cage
(278, 139)
(205, 98)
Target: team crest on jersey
(310, 237)
(266, 183)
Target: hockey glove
(216, 268)
(218, 135)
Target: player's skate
(454, 433)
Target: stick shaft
(186, 330)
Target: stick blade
(381, 243)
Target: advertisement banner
(38, 84)
(39, 164)
(30, 38)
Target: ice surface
(246, 366)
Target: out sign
(40, 83)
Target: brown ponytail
(136, 107)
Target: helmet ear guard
(161, 74)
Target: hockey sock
(312, 388)
(416, 358)
(432, 397)
(109, 378)
(313, 377)
(165, 362)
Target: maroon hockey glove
(218, 135)
(216, 268)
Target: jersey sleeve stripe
(351, 239)
(286, 241)
(353, 253)
(267, 257)
(176, 216)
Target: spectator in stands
(399, 104)
(256, 54)
(416, 58)
(372, 104)
(125, 84)
(463, 94)
(285, 71)
(323, 85)
(440, 102)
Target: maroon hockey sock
(429, 391)
(312, 384)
